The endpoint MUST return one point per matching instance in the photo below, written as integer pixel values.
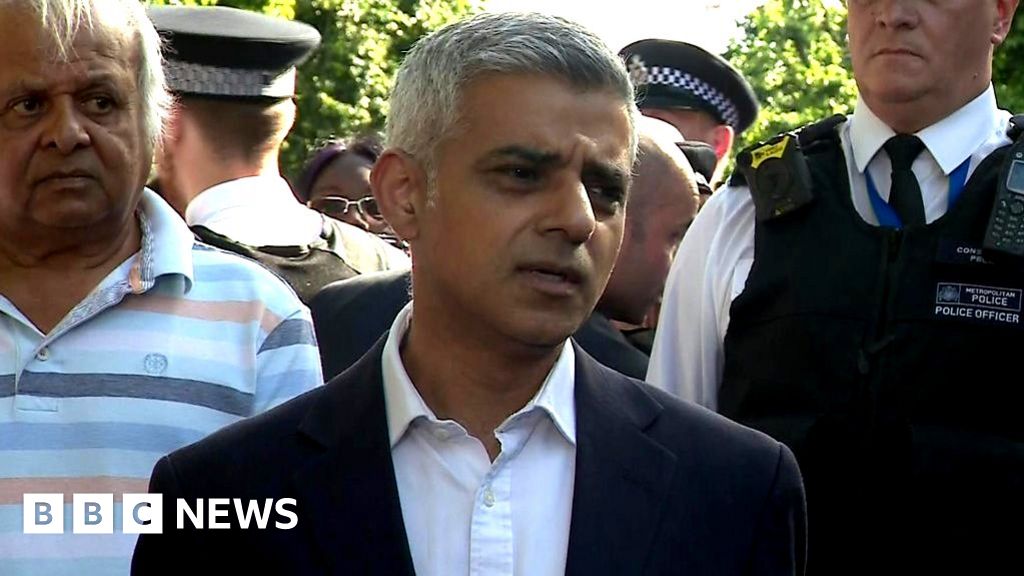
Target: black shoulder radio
(1005, 232)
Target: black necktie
(905, 194)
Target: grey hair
(62, 19)
(431, 80)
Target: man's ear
(722, 141)
(1005, 9)
(399, 184)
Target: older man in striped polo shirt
(121, 339)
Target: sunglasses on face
(338, 206)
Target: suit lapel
(622, 476)
(348, 493)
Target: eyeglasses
(338, 205)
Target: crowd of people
(468, 345)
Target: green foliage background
(343, 88)
(1008, 68)
(794, 54)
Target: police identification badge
(987, 304)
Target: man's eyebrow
(102, 78)
(35, 86)
(20, 86)
(606, 171)
(532, 155)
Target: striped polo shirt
(178, 341)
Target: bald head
(663, 177)
(663, 202)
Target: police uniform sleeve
(709, 270)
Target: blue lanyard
(887, 216)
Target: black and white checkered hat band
(679, 79)
(194, 78)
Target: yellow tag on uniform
(776, 150)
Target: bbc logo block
(92, 514)
(43, 513)
(144, 513)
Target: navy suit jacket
(351, 314)
(662, 487)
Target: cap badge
(637, 70)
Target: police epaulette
(808, 136)
(738, 178)
(819, 132)
(777, 175)
(1016, 127)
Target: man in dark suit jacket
(475, 437)
(662, 487)
(351, 315)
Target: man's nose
(895, 13)
(65, 130)
(571, 212)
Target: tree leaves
(793, 53)
(1007, 69)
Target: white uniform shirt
(715, 257)
(465, 515)
(262, 211)
(257, 210)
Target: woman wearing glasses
(337, 183)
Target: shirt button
(43, 355)
(440, 434)
(488, 497)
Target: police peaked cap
(230, 53)
(669, 74)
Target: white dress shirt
(466, 515)
(715, 257)
(257, 210)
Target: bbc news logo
(144, 513)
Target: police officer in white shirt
(233, 72)
(844, 295)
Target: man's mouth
(553, 278)
(67, 176)
(895, 52)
